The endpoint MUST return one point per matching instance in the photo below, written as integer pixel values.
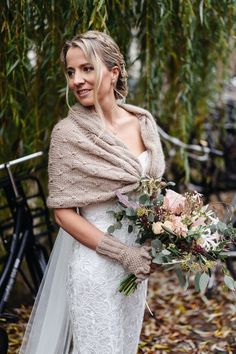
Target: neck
(111, 114)
(109, 107)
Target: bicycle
(19, 236)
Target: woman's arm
(78, 227)
(135, 259)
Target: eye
(88, 68)
(70, 73)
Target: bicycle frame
(21, 239)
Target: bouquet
(185, 234)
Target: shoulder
(136, 110)
(63, 128)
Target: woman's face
(82, 77)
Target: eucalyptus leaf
(111, 229)
(196, 281)
(229, 282)
(154, 252)
(203, 281)
(186, 282)
(181, 277)
(144, 198)
(157, 244)
(130, 212)
(221, 226)
(160, 199)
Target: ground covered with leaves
(183, 321)
(187, 322)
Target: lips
(83, 92)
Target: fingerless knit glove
(136, 260)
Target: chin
(86, 104)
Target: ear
(115, 72)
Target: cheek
(70, 84)
(106, 86)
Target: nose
(78, 78)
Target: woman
(101, 147)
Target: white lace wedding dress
(104, 321)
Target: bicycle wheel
(36, 258)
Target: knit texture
(87, 167)
(135, 259)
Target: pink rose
(173, 202)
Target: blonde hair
(99, 48)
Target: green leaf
(181, 277)
(229, 282)
(186, 282)
(111, 229)
(144, 199)
(221, 226)
(159, 200)
(157, 244)
(196, 281)
(154, 252)
(13, 67)
(130, 212)
(203, 282)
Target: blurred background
(181, 60)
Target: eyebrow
(81, 66)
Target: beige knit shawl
(87, 167)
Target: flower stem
(128, 285)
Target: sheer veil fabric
(49, 329)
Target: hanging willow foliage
(179, 45)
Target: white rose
(157, 228)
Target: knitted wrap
(88, 164)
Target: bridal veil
(48, 329)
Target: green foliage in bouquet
(185, 235)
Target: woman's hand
(136, 260)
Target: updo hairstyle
(99, 47)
